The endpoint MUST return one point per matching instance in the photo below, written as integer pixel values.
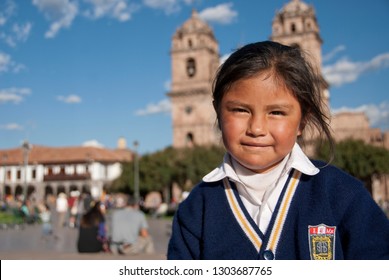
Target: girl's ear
(301, 127)
(217, 114)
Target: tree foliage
(159, 170)
(358, 159)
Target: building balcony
(66, 177)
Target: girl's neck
(258, 183)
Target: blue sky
(91, 71)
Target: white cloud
(22, 31)
(118, 9)
(333, 53)
(345, 71)
(222, 13)
(5, 62)
(70, 99)
(224, 58)
(8, 65)
(168, 6)
(378, 115)
(7, 10)
(14, 95)
(92, 143)
(12, 33)
(60, 12)
(18, 33)
(11, 126)
(162, 106)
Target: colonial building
(41, 171)
(195, 59)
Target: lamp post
(4, 159)
(26, 147)
(136, 172)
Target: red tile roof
(57, 155)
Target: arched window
(188, 109)
(189, 139)
(293, 28)
(191, 67)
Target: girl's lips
(253, 144)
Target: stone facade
(352, 125)
(195, 59)
(296, 25)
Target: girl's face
(260, 121)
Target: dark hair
(131, 201)
(93, 217)
(287, 66)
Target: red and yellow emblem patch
(322, 242)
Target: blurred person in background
(92, 236)
(129, 229)
(62, 210)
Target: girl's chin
(259, 167)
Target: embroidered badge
(321, 242)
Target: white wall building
(41, 171)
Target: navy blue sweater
(326, 216)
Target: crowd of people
(113, 225)
(118, 228)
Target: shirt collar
(298, 160)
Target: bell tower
(296, 25)
(195, 59)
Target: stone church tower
(195, 59)
(296, 25)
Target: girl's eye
(278, 113)
(239, 110)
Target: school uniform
(312, 211)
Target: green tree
(358, 159)
(158, 171)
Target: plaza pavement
(27, 244)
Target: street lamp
(26, 147)
(4, 159)
(136, 172)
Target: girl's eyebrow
(236, 103)
(279, 106)
(274, 106)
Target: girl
(267, 200)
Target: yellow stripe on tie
(284, 209)
(240, 217)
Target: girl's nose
(257, 126)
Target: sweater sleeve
(365, 229)
(185, 242)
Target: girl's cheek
(229, 123)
